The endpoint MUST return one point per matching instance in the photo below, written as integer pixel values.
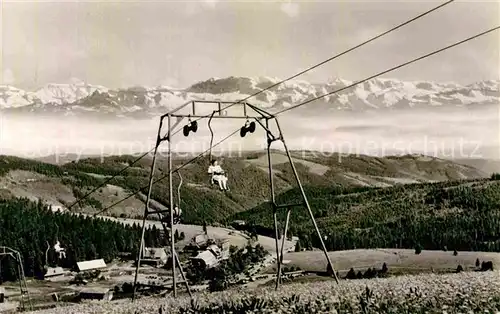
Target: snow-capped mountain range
(378, 94)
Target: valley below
(367, 182)
(403, 191)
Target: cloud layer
(457, 134)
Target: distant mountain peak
(375, 94)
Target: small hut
(54, 272)
(102, 294)
(208, 258)
(97, 264)
(155, 256)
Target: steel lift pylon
(247, 112)
(16, 256)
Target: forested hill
(367, 212)
(28, 226)
(61, 185)
(461, 215)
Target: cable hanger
(211, 136)
(192, 126)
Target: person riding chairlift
(177, 216)
(218, 175)
(61, 251)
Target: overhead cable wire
(316, 98)
(166, 176)
(283, 81)
(109, 179)
(330, 59)
(389, 70)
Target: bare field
(36, 186)
(110, 194)
(280, 158)
(394, 258)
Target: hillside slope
(488, 166)
(462, 215)
(248, 178)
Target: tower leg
(171, 201)
(183, 275)
(273, 200)
(306, 202)
(146, 210)
(283, 240)
(278, 257)
(178, 262)
(25, 302)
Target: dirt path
(235, 237)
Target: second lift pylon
(280, 251)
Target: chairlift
(177, 216)
(60, 252)
(58, 249)
(215, 171)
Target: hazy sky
(177, 43)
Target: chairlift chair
(177, 216)
(60, 251)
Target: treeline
(8, 163)
(68, 176)
(453, 232)
(27, 226)
(461, 215)
(110, 166)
